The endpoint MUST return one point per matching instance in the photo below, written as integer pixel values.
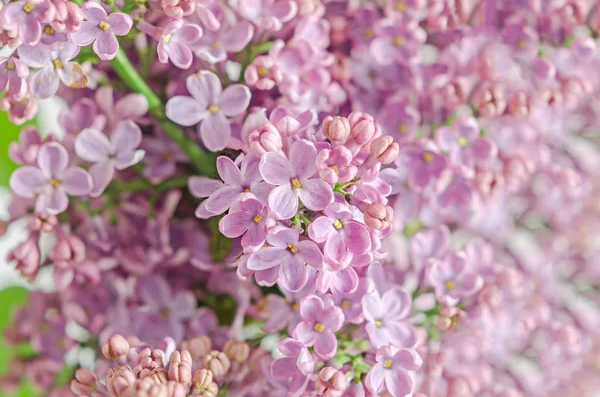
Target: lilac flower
(399, 119)
(161, 158)
(210, 105)
(101, 29)
(268, 14)
(237, 184)
(52, 181)
(19, 110)
(54, 66)
(13, 75)
(464, 143)
(80, 115)
(295, 367)
(343, 279)
(214, 45)
(425, 165)
(387, 318)
(164, 309)
(350, 303)
(119, 152)
(451, 278)
(26, 150)
(284, 252)
(321, 319)
(26, 17)
(251, 219)
(262, 73)
(397, 41)
(336, 165)
(129, 107)
(339, 232)
(173, 41)
(294, 180)
(429, 244)
(393, 370)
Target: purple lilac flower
(399, 119)
(429, 244)
(343, 279)
(320, 320)
(13, 74)
(295, 180)
(351, 303)
(295, 367)
(214, 45)
(26, 150)
(118, 152)
(132, 106)
(393, 369)
(251, 219)
(27, 17)
(285, 253)
(397, 41)
(161, 158)
(335, 165)
(174, 41)
(340, 233)
(451, 278)
(424, 163)
(210, 106)
(51, 180)
(54, 66)
(101, 29)
(268, 14)
(238, 183)
(80, 115)
(387, 318)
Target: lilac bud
(118, 380)
(237, 350)
(384, 149)
(68, 249)
(43, 222)
(378, 216)
(27, 256)
(217, 362)
(115, 347)
(265, 139)
(336, 129)
(331, 382)
(175, 389)
(180, 367)
(197, 347)
(203, 385)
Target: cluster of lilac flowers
(393, 197)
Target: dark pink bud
(68, 250)
(27, 256)
(336, 129)
(115, 347)
(118, 380)
(180, 367)
(384, 149)
(331, 382)
(378, 216)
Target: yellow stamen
(265, 245)
(292, 248)
(261, 71)
(10, 65)
(450, 285)
(403, 128)
(296, 183)
(400, 6)
(54, 182)
(167, 38)
(247, 190)
(463, 142)
(522, 44)
(345, 304)
(378, 323)
(368, 33)
(27, 7)
(213, 109)
(399, 41)
(337, 224)
(216, 46)
(387, 363)
(49, 30)
(257, 218)
(319, 327)
(296, 306)
(428, 157)
(103, 25)
(335, 169)
(57, 64)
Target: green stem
(203, 161)
(142, 184)
(304, 219)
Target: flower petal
(53, 159)
(228, 171)
(234, 100)
(92, 145)
(106, 45)
(283, 201)
(315, 194)
(235, 224)
(302, 158)
(293, 275)
(221, 200)
(185, 111)
(265, 258)
(76, 181)
(205, 87)
(27, 181)
(102, 173)
(215, 131)
(275, 169)
(120, 23)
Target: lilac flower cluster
(393, 197)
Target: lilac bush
(306, 197)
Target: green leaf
(8, 133)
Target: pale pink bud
(27, 256)
(180, 367)
(84, 382)
(146, 388)
(378, 216)
(336, 128)
(43, 223)
(115, 347)
(202, 378)
(159, 375)
(237, 350)
(148, 361)
(217, 362)
(175, 389)
(118, 380)
(384, 149)
(68, 250)
(331, 382)
(265, 139)
(198, 347)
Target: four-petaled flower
(251, 219)
(451, 278)
(27, 17)
(392, 370)
(295, 366)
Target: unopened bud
(237, 350)
(331, 382)
(384, 149)
(115, 347)
(336, 129)
(202, 383)
(198, 347)
(84, 382)
(118, 380)
(378, 216)
(217, 362)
